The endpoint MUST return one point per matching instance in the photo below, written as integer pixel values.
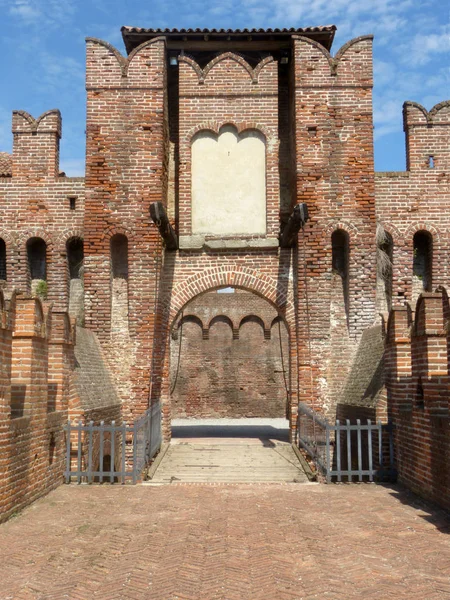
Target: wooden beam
(298, 218)
(159, 217)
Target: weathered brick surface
(227, 542)
(35, 203)
(229, 358)
(36, 356)
(414, 200)
(125, 172)
(315, 114)
(417, 381)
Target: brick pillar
(332, 113)
(60, 360)
(36, 145)
(125, 172)
(5, 400)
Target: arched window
(37, 258)
(2, 260)
(119, 284)
(75, 261)
(422, 263)
(385, 251)
(119, 256)
(340, 260)
(75, 257)
(37, 266)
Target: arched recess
(75, 264)
(225, 374)
(340, 248)
(3, 271)
(422, 272)
(253, 319)
(228, 182)
(119, 283)
(385, 257)
(37, 266)
(221, 319)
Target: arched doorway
(228, 409)
(229, 358)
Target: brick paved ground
(200, 542)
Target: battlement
(427, 136)
(36, 358)
(35, 154)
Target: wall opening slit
(2, 261)
(75, 262)
(37, 266)
(340, 268)
(119, 283)
(422, 263)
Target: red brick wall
(334, 176)
(417, 381)
(317, 120)
(416, 199)
(229, 358)
(35, 203)
(36, 364)
(228, 92)
(125, 172)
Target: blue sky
(43, 50)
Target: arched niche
(229, 182)
(422, 263)
(75, 264)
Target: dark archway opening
(37, 266)
(422, 263)
(75, 261)
(229, 361)
(2, 260)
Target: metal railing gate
(110, 452)
(351, 451)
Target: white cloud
(422, 48)
(41, 13)
(24, 9)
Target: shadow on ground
(428, 511)
(265, 433)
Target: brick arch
(352, 230)
(239, 277)
(254, 319)
(112, 230)
(216, 126)
(228, 56)
(7, 238)
(65, 236)
(190, 319)
(424, 226)
(393, 231)
(221, 319)
(26, 235)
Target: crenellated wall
(126, 170)
(415, 200)
(36, 357)
(229, 138)
(417, 362)
(37, 201)
(333, 146)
